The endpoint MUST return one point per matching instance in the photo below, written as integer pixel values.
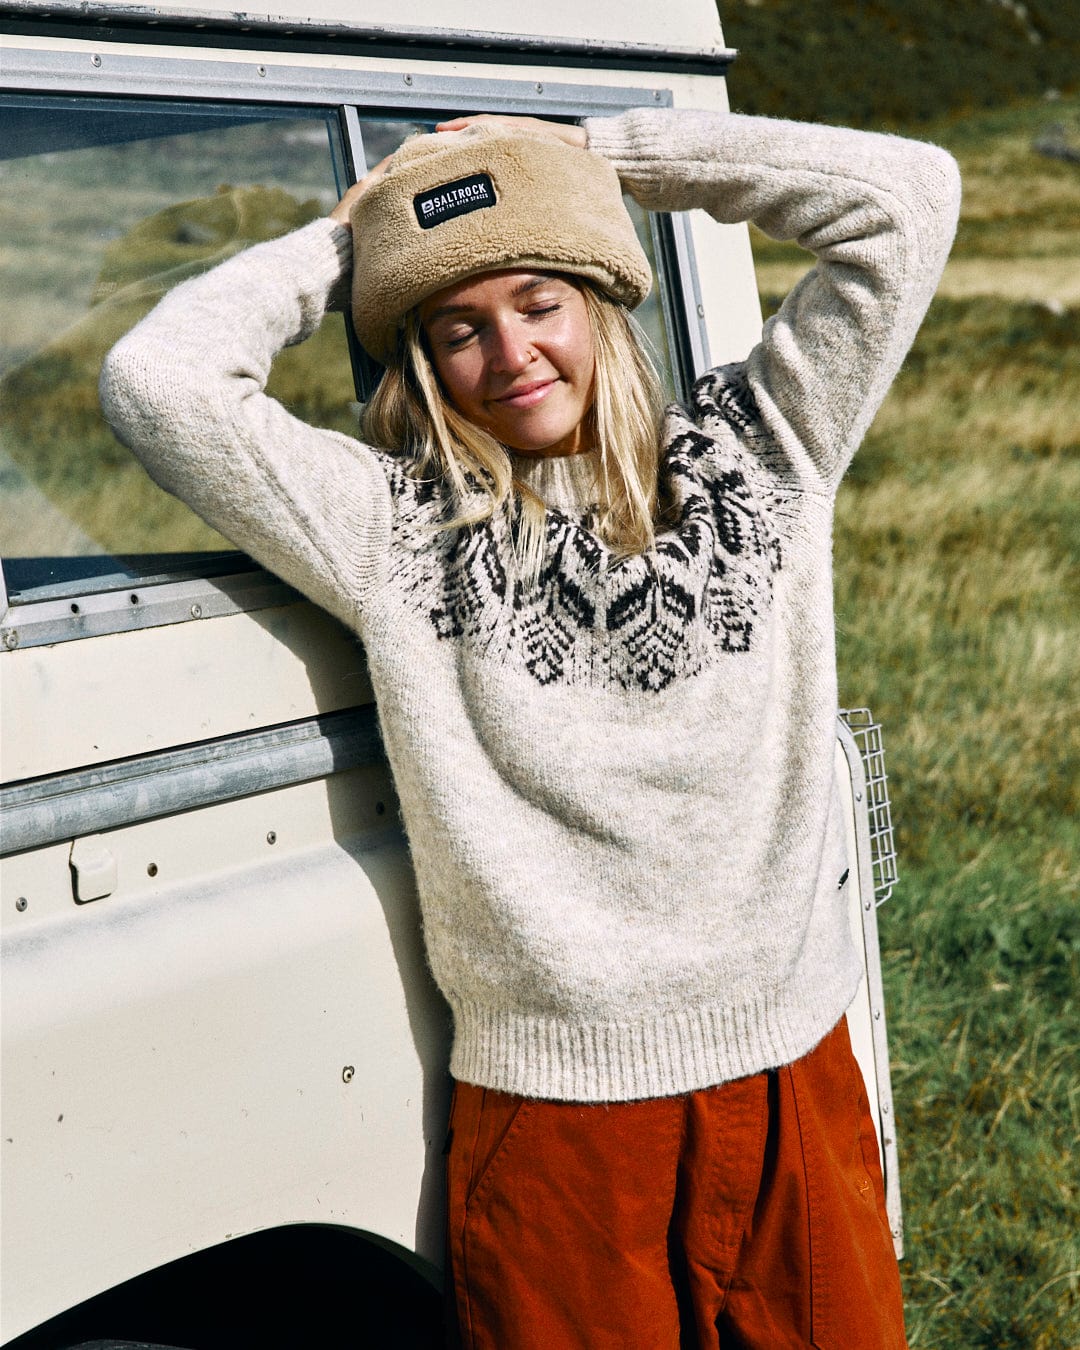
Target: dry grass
(1018, 237)
(958, 595)
(1050, 281)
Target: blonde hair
(410, 413)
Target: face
(514, 352)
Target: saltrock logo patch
(453, 199)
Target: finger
(568, 133)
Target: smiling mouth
(526, 396)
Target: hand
(557, 131)
(567, 133)
(342, 213)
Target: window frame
(352, 95)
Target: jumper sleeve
(185, 389)
(879, 213)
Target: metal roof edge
(167, 24)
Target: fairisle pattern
(640, 622)
(724, 395)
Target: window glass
(103, 207)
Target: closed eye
(459, 339)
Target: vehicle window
(103, 207)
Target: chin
(560, 442)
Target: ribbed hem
(660, 1056)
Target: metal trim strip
(89, 801)
(113, 72)
(693, 319)
(93, 614)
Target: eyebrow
(523, 288)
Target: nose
(509, 349)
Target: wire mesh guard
(867, 734)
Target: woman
(602, 648)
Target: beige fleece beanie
(454, 204)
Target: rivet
(74, 607)
(539, 88)
(133, 598)
(877, 1014)
(701, 311)
(196, 611)
(151, 869)
(866, 905)
(407, 79)
(95, 60)
(884, 1108)
(11, 638)
(348, 1073)
(21, 903)
(260, 71)
(656, 95)
(858, 796)
(271, 836)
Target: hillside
(1018, 238)
(897, 62)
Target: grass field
(958, 596)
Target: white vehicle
(224, 1081)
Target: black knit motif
(725, 394)
(551, 616)
(641, 622)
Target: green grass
(897, 62)
(959, 623)
(958, 598)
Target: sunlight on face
(514, 351)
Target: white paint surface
(91, 701)
(174, 1054)
(686, 23)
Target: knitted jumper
(617, 785)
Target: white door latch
(93, 869)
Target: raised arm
(185, 390)
(878, 212)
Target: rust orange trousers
(749, 1215)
